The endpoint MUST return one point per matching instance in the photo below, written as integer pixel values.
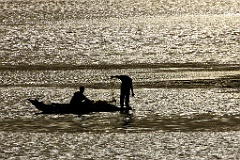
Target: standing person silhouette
(126, 86)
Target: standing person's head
(81, 88)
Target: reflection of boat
(58, 108)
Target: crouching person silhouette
(80, 102)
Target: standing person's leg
(127, 101)
(122, 100)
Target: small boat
(59, 108)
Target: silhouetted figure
(80, 100)
(126, 86)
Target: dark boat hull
(58, 108)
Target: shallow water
(42, 34)
(154, 110)
(166, 122)
(183, 57)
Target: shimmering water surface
(183, 57)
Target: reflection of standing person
(126, 86)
